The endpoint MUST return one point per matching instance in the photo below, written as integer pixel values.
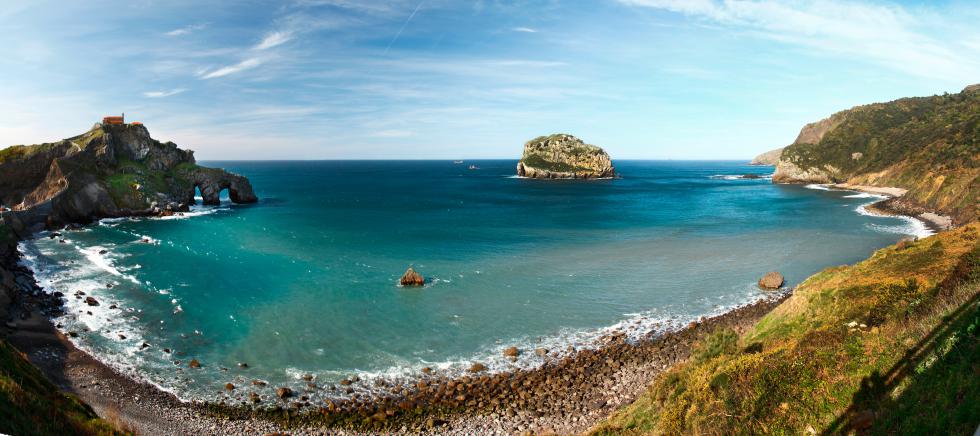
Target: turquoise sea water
(305, 281)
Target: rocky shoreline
(895, 205)
(569, 393)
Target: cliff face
(111, 170)
(563, 156)
(927, 145)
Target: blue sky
(349, 79)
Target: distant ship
(474, 167)
(457, 162)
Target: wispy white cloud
(231, 69)
(161, 94)
(186, 30)
(273, 39)
(393, 133)
(887, 34)
(524, 30)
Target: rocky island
(114, 169)
(562, 156)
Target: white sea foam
(817, 186)
(740, 177)
(635, 326)
(865, 195)
(912, 226)
(103, 262)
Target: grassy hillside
(889, 345)
(29, 404)
(929, 145)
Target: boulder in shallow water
(194, 364)
(478, 367)
(91, 301)
(511, 352)
(772, 280)
(284, 393)
(412, 278)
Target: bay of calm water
(305, 281)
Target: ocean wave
(912, 226)
(97, 255)
(740, 177)
(865, 195)
(635, 326)
(818, 187)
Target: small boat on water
(457, 162)
(474, 167)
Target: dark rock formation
(412, 278)
(563, 156)
(772, 280)
(111, 170)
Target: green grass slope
(929, 145)
(886, 346)
(31, 405)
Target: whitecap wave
(865, 195)
(912, 226)
(818, 187)
(740, 177)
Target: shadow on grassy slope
(937, 384)
(888, 345)
(31, 405)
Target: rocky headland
(112, 170)
(562, 156)
(925, 146)
(768, 158)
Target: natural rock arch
(212, 181)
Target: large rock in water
(412, 278)
(772, 280)
(563, 156)
(109, 171)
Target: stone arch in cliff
(212, 183)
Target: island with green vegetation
(562, 156)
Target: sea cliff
(109, 171)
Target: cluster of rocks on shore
(585, 384)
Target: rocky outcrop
(768, 158)
(788, 172)
(412, 278)
(212, 181)
(111, 170)
(563, 156)
(772, 280)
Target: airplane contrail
(392, 42)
